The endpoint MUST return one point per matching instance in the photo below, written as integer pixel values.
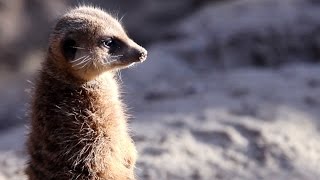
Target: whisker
(78, 59)
(76, 47)
(120, 20)
(116, 56)
(87, 62)
(108, 62)
(81, 62)
(119, 76)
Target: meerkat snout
(137, 52)
(136, 55)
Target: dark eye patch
(113, 44)
(68, 48)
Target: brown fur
(78, 122)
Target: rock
(242, 33)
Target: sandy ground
(240, 124)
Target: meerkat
(78, 125)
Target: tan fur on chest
(86, 134)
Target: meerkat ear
(68, 48)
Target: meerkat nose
(143, 55)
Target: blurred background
(230, 90)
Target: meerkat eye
(109, 43)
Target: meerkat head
(89, 41)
